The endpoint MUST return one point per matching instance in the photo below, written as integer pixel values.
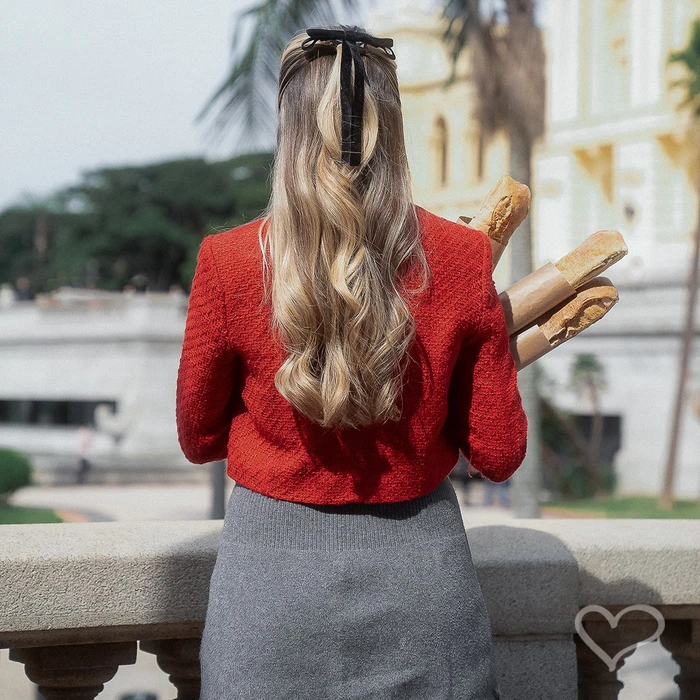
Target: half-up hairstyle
(342, 239)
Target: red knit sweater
(460, 393)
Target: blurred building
(616, 155)
(104, 360)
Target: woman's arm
(206, 380)
(491, 424)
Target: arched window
(442, 146)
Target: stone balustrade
(76, 599)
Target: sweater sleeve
(206, 376)
(491, 423)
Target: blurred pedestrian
(140, 283)
(84, 435)
(23, 291)
(498, 491)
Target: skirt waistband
(258, 520)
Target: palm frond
(462, 20)
(690, 58)
(247, 96)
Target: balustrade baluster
(74, 671)
(682, 639)
(595, 679)
(179, 658)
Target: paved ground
(647, 674)
(100, 502)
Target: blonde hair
(340, 237)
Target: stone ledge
(534, 574)
(623, 561)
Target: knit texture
(460, 392)
(352, 602)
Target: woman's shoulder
(463, 252)
(235, 234)
(455, 234)
(239, 243)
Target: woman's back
(460, 388)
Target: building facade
(616, 154)
(105, 361)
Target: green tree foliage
(118, 223)
(16, 242)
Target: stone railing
(76, 600)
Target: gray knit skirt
(333, 602)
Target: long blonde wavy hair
(341, 240)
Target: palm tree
(690, 58)
(508, 68)
(508, 63)
(587, 375)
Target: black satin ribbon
(352, 95)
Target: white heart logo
(614, 620)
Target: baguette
(553, 283)
(502, 211)
(566, 320)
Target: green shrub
(575, 482)
(608, 479)
(15, 472)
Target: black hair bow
(352, 97)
